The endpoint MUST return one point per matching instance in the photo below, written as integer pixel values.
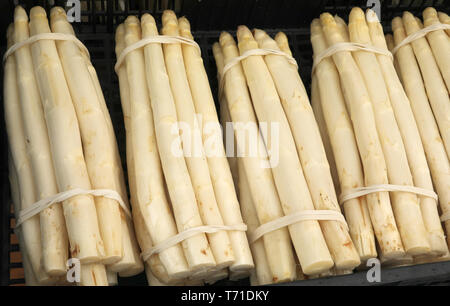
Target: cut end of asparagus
(38, 11)
(20, 14)
(371, 16)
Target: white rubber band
(161, 39)
(348, 46)
(421, 33)
(362, 191)
(303, 215)
(45, 36)
(445, 217)
(247, 54)
(40, 205)
(174, 240)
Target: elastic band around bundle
(302, 215)
(362, 191)
(180, 237)
(45, 36)
(247, 54)
(421, 33)
(41, 205)
(348, 46)
(161, 39)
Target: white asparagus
(445, 19)
(411, 138)
(439, 43)
(438, 95)
(130, 264)
(65, 142)
(160, 118)
(391, 45)
(97, 147)
(172, 257)
(53, 229)
(405, 205)
(306, 138)
(262, 268)
(347, 155)
(276, 243)
(429, 133)
(212, 137)
(191, 139)
(369, 145)
(93, 274)
(111, 278)
(29, 231)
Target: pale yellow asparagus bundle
(428, 129)
(445, 19)
(267, 204)
(29, 231)
(390, 44)
(299, 119)
(150, 179)
(437, 92)
(405, 205)
(65, 142)
(411, 138)
(218, 166)
(53, 229)
(97, 147)
(369, 145)
(438, 41)
(192, 144)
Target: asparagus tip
(147, 18)
(430, 12)
(38, 11)
(20, 14)
(169, 16)
(371, 16)
(357, 15)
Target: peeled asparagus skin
(405, 205)
(369, 145)
(53, 229)
(160, 209)
(437, 92)
(277, 243)
(192, 144)
(411, 138)
(262, 268)
(65, 142)
(299, 116)
(429, 132)
(438, 41)
(212, 137)
(287, 168)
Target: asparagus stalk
(348, 161)
(112, 278)
(262, 268)
(445, 19)
(439, 44)
(159, 208)
(29, 231)
(405, 205)
(65, 142)
(93, 274)
(411, 138)
(369, 145)
(390, 44)
(192, 144)
(429, 133)
(299, 118)
(438, 94)
(53, 228)
(98, 149)
(267, 204)
(218, 166)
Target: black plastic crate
(208, 17)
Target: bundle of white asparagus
(423, 65)
(61, 138)
(381, 133)
(178, 172)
